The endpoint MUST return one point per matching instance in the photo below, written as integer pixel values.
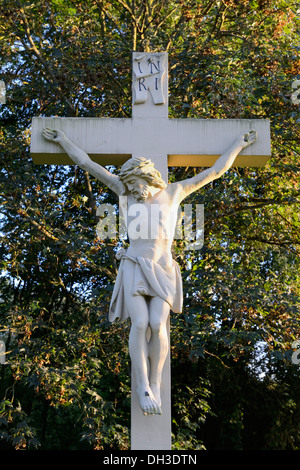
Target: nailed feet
(148, 403)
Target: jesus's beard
(142, 196)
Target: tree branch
(274, 242)
(110, 275)
(37, 225)
(39, 56)
(262, 203)
(91, 197)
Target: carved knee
(156, 326)
(140, 325)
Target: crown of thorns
(140, 166)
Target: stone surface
(149, 75)
(150, 133)
(186, 142)
(152, 432)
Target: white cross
(150, 133)
(167, 142)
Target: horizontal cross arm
(186, 142)
(200, 142)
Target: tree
(67, 369)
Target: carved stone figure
(148, 283)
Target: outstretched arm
(186, 187)
(82, 159)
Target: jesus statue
(148, 283)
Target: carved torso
(151, 226)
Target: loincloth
(150, 280)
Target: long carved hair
(139, 166)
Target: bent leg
(159, 343)
(138, 346)
(138, 349)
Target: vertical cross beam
(150, 106)
(150, 103)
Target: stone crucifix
(148, 284)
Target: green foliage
(66, 380)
